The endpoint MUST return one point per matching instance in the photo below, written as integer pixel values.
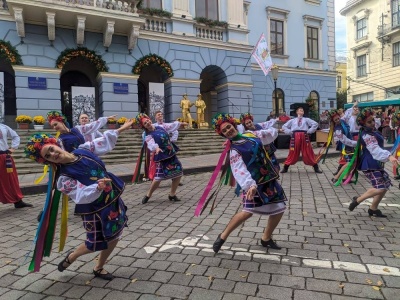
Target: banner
(156, 98)
(1, 97)
(262, 55)
(83, 101)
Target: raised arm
(287, 126)
(78, 192)
(267, 136)
(373, 147)
(240, 172)
(313, 126)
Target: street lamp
(275, 71)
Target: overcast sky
(340, 26)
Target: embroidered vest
(161, 137)
(71, 140)
(345, 129)
(87, 169)
(367, 161)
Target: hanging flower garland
(10, 53)
(85, 53)
(151, 59)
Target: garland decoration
(85, 53)
(151, 59)
(10, 53)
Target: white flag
(262, 55)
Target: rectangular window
(395, 13)
(151, 4)
(332, 103)
(396, 54)
(361, 28)
(362, 65)
(339, 82)
(207, 9)
(364, 97)
(312, 42)
(276, 37)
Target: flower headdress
(364, 115)
(56, 115)
(245, 116)
(35, 145)
(219, 119)
(140, 117)
(333, 113)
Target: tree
(341, 97)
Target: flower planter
(23, 125)
(38, 126)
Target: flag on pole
(262, 54)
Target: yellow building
(341, 81)
(373, 45)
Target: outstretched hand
(102, 183)
(125, 126)
(113, 116)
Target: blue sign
(37, 83)
(121, 88)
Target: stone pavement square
(327, 251)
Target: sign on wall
(37, 83)
(156, 98)
(83, 102)
(1, 97)
(121, 88)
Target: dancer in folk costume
(246, 121)
(340, 131)
(254, 172)
(84, 120)
(167, 164)
(396, 147)
(300, 128)
(83, 177)
(10, 191)
(369, 157)
(70, 138)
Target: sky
(340, 29)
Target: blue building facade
(189, 46)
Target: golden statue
(185, 106)
(200, 108)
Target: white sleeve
(268, 124)
(239, 171)
(240, 128)
(378, 123)
(377, 152)
(338, 134)
(78, 192)
(151, 144)
(174, 136)
(15, 138)
(267, 136)
(102, 145)
(347, 115)
(171, 127)
(92, 127)
(313, 126)
(287, 126)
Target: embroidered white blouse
(7, 132)
(174, 134)
(169, 127)
(264, 125)
(304, 124)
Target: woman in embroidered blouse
(167, 164)
(254, 172)
(96, 192)
(371, 162)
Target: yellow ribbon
(64, 223)
(45, 167)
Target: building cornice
(349, 5)
(102, 75)
(36, 69)
(291, 70)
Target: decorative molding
(51, 25)
(80, 30)
(234, 84)
(180, 80)
(108, 33)
(313, 18)
(276, 10)
(359, 47)
(25, 69)
(133, 37)
(315, 2)
(19, 20)
(103, 75)
(302, 71)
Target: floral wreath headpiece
(245, 116)
(364, 115)
(332, 113)
(219, 119)
(35, 145)
(56, 115)
(140, 117)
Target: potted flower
(112, 123)
(121, 120)
(38, 122)
(135, 124)
(23, 121)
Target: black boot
(316, 169)
(337, 171)
(21, 204)
(285, 169)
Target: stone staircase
(191, 143)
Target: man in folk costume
(83, 120)
(300, 128)
(10, 191)
(341, 132)
(159, 116)
(369, 157)
(247, 123)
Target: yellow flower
(23, 119)
(39, 120)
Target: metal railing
(210, 33)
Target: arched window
(314, 107)
(278, 103)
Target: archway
(7, 94)
(281, 101)
(214, 91)
(313, 102)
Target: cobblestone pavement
(328, 252)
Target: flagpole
(245, 66)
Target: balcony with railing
(210, 33)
